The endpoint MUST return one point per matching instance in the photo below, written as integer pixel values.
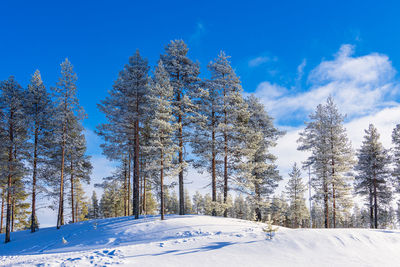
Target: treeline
(42, 150)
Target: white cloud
(360, 86)
(255, 62)
(300, 69)
(198, 33)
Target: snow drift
(193, 240)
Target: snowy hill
(198, 241)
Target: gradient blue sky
(292, 54)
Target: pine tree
(184, 80)
(396, 157)
(67, 111)
(162, 126)
(258, 175)
(13, 143)
(94, 211)
(79, 165)
(39, 109)
(111, 202)
(198, 203)
(234, 116)
(188, 203)
(295, 190)
(373, 176)
(125, 112)
(331, 158)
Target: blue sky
(292, 54)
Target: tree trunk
(326, 204)
(9, 180)
(60, 218)
(72, 192)
(213, 163)
(334, 205)
(144, 192)
(225, 171)
(125, 188)
(2, 211)
(33, 214)
(136, 171)
(162, 185)
(375, 203)
(13, 214)
(180, 156)
(371, 208)
(129, 182)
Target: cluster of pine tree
(339, 173)
(42, 150)
(153, 119)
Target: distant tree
(295, 190)
(198, 203)
(94, 211)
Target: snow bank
(198, 241)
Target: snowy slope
(198, 241)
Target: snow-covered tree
(373, 176)
(162, 128)
(39, 109)
(234, 117)
(94, 210)
(331, 159)
(295, 190)
(184, 80)
(396, 156)
(198, 203)
(67, 111)
(13, 144)
(258, 175)
(125, 110)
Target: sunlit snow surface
(197, 241)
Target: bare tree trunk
(129, 182)
(371, 208)
(33, 214)
(72, 192)
(144, 192)
(334, 205)
(2, 211)
(60, 219)
(225, 171)
(213, 163)
(136, 199)
(375, 203)
(180, 156)
(326, 206)
(162, 185)
(13, 215)
(125, 188)
(9, 180)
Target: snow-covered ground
(198, 241)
